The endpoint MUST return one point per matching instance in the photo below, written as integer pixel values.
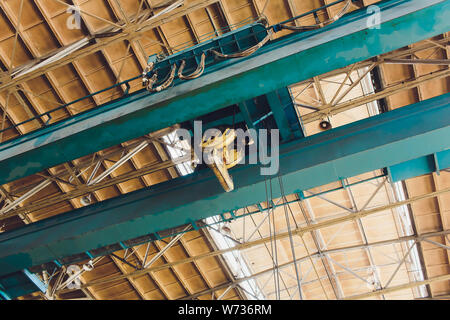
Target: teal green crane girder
(278, 64)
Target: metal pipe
(26, 196)
(399, 287)
(167, 247)
(438, 244)
(439, 62)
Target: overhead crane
(276, 65)
(217, 77)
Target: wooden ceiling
(32, 31)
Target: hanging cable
(318, 25)
(246, 52)
(145, 79)
(197, 73)
(262, 19)
(291, 241)
(275, 249)
(150, 82)
(300, 28)
(272, 253)
(167, 82)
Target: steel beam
(20, 283)
(280, 63)
(383, 140)
(419, 166)
(299, 261)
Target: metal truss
(93, 183)
(298, 231)
(386, 289)
(323, 109)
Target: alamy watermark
(374, 21)
(74, 19)
(259, 151)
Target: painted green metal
(4, 295)
(423, 165)
(279, 115)
(383, 140)
(276, 107)
(75, 259)
(276, 65)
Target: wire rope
(291, 240)
(197, 73)
(275, 266)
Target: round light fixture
(325, 125)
